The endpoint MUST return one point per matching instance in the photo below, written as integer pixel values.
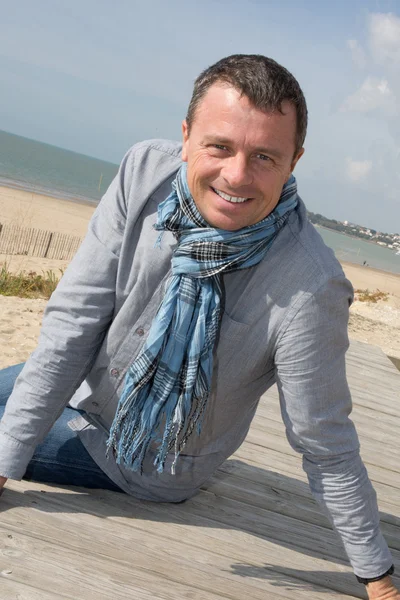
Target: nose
(236, 171)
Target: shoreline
(346, 263)
(47, 192)
(353, 237)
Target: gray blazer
(285, 321)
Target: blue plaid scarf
(168, 385)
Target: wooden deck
(255, 533)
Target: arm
(316, 403)
(74, 325)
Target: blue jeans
(61, 458)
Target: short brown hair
(262, 80)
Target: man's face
(238, 157)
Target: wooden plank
(17, 590)
(287, 464)
(369, 431)
(142, 568)
(269, 409)
(297, 507)
(299, 491)
(157, 526)
(199, 507)
(389, 457)
(81, 574)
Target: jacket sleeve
(316, 404)
(74, 325)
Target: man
(199, 285)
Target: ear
(185, 141)
(296, 159)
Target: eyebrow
(227, 142)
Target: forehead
(224, 111)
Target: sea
(355, 250)
(34, 166)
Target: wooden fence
(36, 242)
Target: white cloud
(374, 93)
(357, 170)
(380, 90)
(384, 38)
(357, 53)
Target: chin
(225, 223)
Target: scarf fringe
(133, 433)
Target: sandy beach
(27, 209)
(375, 323)
(20, 319)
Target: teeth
(233, 199)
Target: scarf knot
(168, 385)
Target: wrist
(382, 589)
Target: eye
(263, 157)
(220, 147)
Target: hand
(382, 590)
(2, 482)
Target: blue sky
(95, 77)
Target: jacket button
(95, 404)
(140, 331)
(114, 372)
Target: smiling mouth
(228, 198)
